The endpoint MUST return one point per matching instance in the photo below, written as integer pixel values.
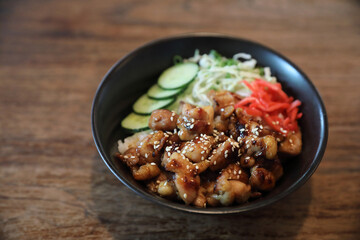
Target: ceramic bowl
(133, 74)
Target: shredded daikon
(220, 73)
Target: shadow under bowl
(132, 75)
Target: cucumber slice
(178, 76)
(156, 92)
(135, 122)
(145, 105)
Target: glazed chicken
(210, 156)
(232, 185)
(194, 121)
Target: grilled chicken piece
(200, 200)
(130, 157)
(221, 100)
(199, 148)
(194, 121)
(292, 144)
(163, 120)
(272, 165)
(262, 179)
(247, 161)
(145, 172)
(139, 172)
(232, 185)
(221, 156)
(270, 145)
(186, 180)
(221, 124)
(150, 147)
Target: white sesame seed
(132, 157)
(185, 195)
(153, 163)
(214, 162)
(146, 155)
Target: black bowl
(132, 75)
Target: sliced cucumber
(135, 122)
(145, 105)
(156, 92)
(178, 76)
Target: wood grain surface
(53, 54)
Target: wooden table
(53, 55)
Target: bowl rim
(220, 210)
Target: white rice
(131, 141)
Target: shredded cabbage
(220, 73)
